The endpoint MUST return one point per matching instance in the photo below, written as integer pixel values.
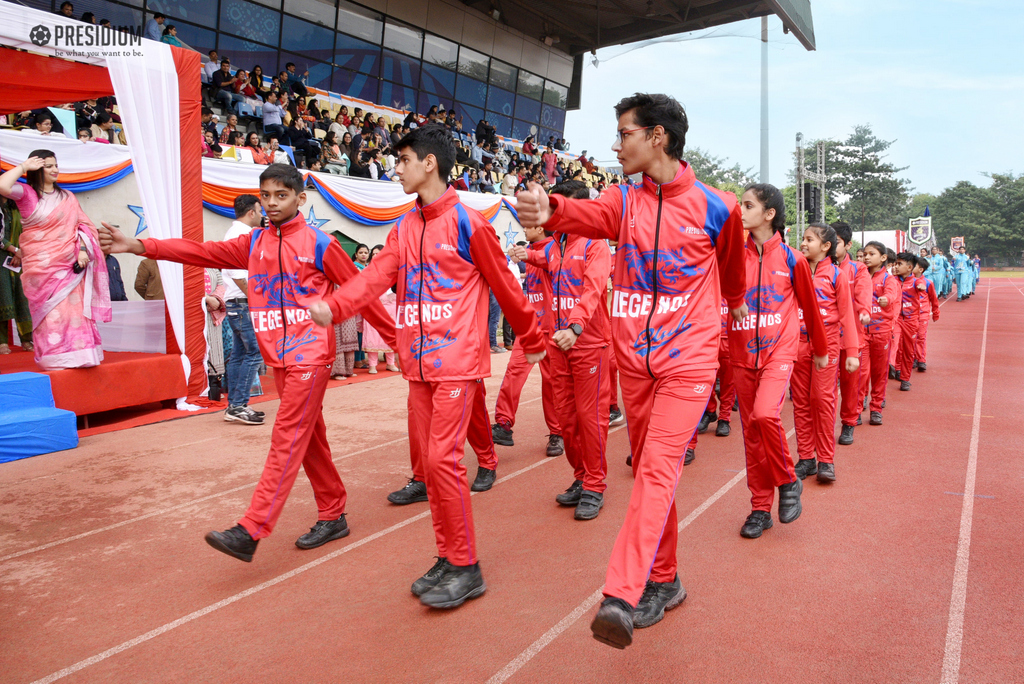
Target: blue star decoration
(313, 220)
(510, 237)
(138, 211)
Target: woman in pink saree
(57, 240)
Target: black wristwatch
(576, 328)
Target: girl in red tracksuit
(910, 313)
(929, 309)
(763, 346)
(814, 391)
(885, 304)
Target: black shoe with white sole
(243, 414)
(322, 532)
(657, 598)
(615, 416)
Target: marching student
(910, 314)
(290, 265)
(719, 406)
(537, 287)
(929, 309)
(814, 389)
(962, 273)
(885, 305)
(676, 241)
(764, 347)
(445, 259)
(578, 269)
(856, 272)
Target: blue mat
(29, 423)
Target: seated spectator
(67, 10)
(256, 81)
(230, 128)
(474, 181)
(223, 82)
(291, 85)
(244, 88)
(508, 184)
(42, 124)
(105, 22)
(358, 165)
(477, 153)
(211, 148)
(345, 145)
(298, 83)
(313, 113)
(84, 113)
(315, 165)
(560, 145)
(275, 153)
(396, 134)
(273, 115)
(235, 138)
(339, 128)
(374, 158)
(298, 136)
(252, 143)
(88, 18)
(170, 36)
(210, 65)
(334, 160)
(85, 135)
(153, 28)
(488, 179)
(528, 147)
(501, 159)
(103, 129)
(208, 123)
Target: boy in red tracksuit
(578, 269)
(860, 290)
(291, 265)
(676, 240)
(764, 346)
(444, 257)
(885, 306)
(929, 309)
(537, 286)
(910, 314)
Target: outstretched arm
(229, 254)
(599, 219)
(364, 289)
(340, 269)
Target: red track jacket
(888, 286)
(834, 304)
(538, 286)
(929, 302)
(911, 299)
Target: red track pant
(814, 400)
(479, 437)
(894, 348)
(613, 376)
(582, 394)
(921, 353)
(908, 346)
(850, 384)
(875, 373)
(516, 373)
(722, 404)
(663, 415)
(762, 392)
(299, 439)
(439, 419)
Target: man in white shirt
(245, 357)
(210, 66)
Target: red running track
(104, 575)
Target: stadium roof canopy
(579, 26)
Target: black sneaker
(826, 473)
(556, 447)
(922, 367)
(723, 429)
(571, 496)
(322, 532)
(846, 436)
(502, 435)
(657, 598)
(865, 403)
(789, 501)
(805, 467)
(629, 460)
(876, 418)
(860, 420)
(756, 523)
(413, 492)
(690, 455)
(258, 414)
(893, 373)
(432, 577)
(615, 416)
(589, 506)
(457, 585)
(235, 542)
(883, 403)
(613, 624)
(242, 414)
(705, 422)
(904, 385)
(484, 479)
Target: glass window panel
(44, 5)
(473, 64)
(470, 116)
(274, 4)
(308, 39)
(201, 39)
(501, 102)
(360, 22)
(502, 124)
(119, 15)
(552, 117)
(250, 21)
(471, 91)
(555, 94)
(200, 11)
(319, 73)
(527, 109)
(545, 133)
(530, 85)
(320, 12)
(503, 75)
(403, 38)
(244, 53)
(400, 69)
(441, 52)
(427, 100)
(353, 84)
(522, 129)
(397, 96)
(357, 55)
(438, 81)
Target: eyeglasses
(619, 135)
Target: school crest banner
(920, 231)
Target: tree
(989, 219)
(714, 171)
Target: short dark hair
(101, 118)
(907, 258)
(878, 247)
(289, 64)
(207, 110)
(212, 52)
(770, 197)
(572, 188)
(432, 139)
(244, 204)
(843, 231)
(890, 255)
(66, 4)
(225, 60)
(652, 110)
(158, 16)
(285, 174)
(923, 263)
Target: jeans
(275, 129)
(493, 314)
(245, 357)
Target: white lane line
(958, 599)
(152, 634)
(565, 623)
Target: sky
(944, 79)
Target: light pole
(764, 99)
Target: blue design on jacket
(672, 270)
